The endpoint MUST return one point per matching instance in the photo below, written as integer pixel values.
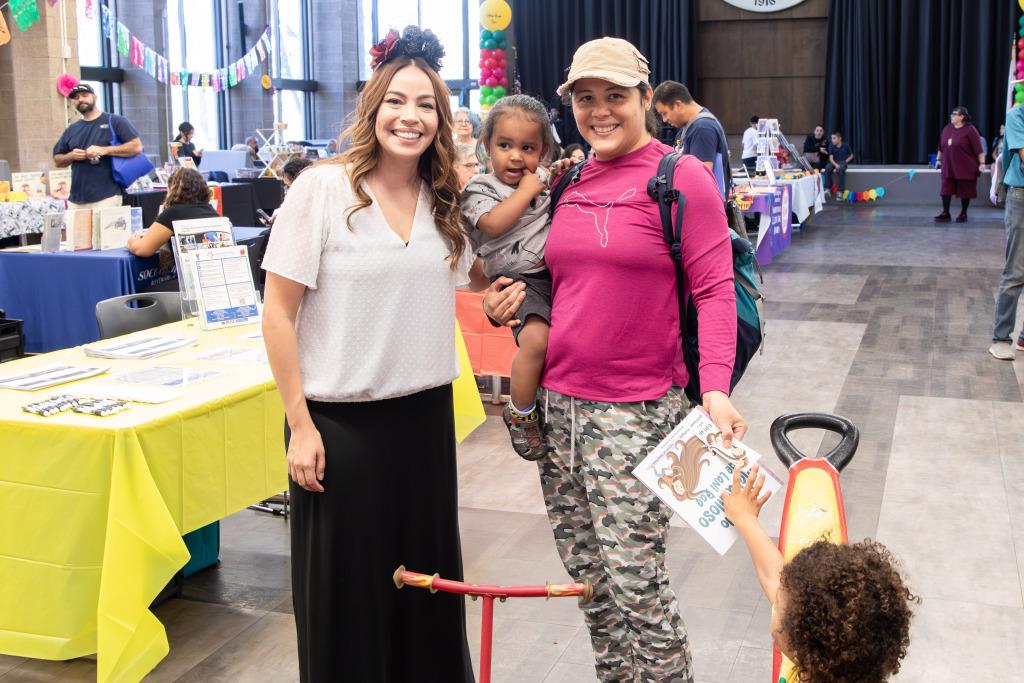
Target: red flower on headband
(382, 50)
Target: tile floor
(874, 313)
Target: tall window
(192, 46)
(94, 51)
(456, 24)
(291, 63)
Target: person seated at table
(182, 145)
(188, 197)
(292, 169)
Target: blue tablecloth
(56, 294)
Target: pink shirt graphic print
(615, 315)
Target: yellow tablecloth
(92, 509)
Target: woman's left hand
(728, 420)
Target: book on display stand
(33, 184)
(59, 181)
(111, 227)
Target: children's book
(33, 184)
(78, 228)
(691, 469)
(111, 227)
(60, 183)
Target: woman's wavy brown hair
(847, 613)
(437, 165)
(186, 186)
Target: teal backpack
(746, 276)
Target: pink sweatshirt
(615, 318)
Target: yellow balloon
(873, 194)
(496, 15)
(1021, 3)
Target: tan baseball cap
(611, 59)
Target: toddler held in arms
(506, 216)
(841, 613)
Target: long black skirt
(390, 499)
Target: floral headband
(416, 42)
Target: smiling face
(463, 126)
(85, 102)
(516, 144)
(610, 117)
(407, 118)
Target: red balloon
(500, 63)
(490, 63)
(1020, 44)
(498, 53)
(485, 53)
(491, 81)
(503, 81)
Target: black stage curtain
(896, 68)
(546, 33)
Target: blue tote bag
(127, 170)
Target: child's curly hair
(847, 613)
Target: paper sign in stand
(189, 237)
(224, 288)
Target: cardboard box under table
(92, 509)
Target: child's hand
(743, 504)
(560, 167)
(531, 183)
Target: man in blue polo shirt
(86, 147)
(699, 132)
(1012, 280)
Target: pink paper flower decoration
(65, 82)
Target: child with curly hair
(841, 613)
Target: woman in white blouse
(359, 325)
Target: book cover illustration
(111, 227)
(32, 184)
(691, 469)
(60, 183)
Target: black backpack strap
(661, 190)
(563, 182)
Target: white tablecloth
(808, 194)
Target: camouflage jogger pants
(610, 529)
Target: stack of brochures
(47, 376)
(139, 348)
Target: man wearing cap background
(85, 147)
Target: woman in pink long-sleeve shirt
(614, 365)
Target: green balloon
(1019, 87)
(1018, 97)
(1021, 20)
(1021, 32)
(491, 99)
(500, 35)
(486, 90)
(499, 91)
(503, 44)
(485, 35)
(490, 43)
